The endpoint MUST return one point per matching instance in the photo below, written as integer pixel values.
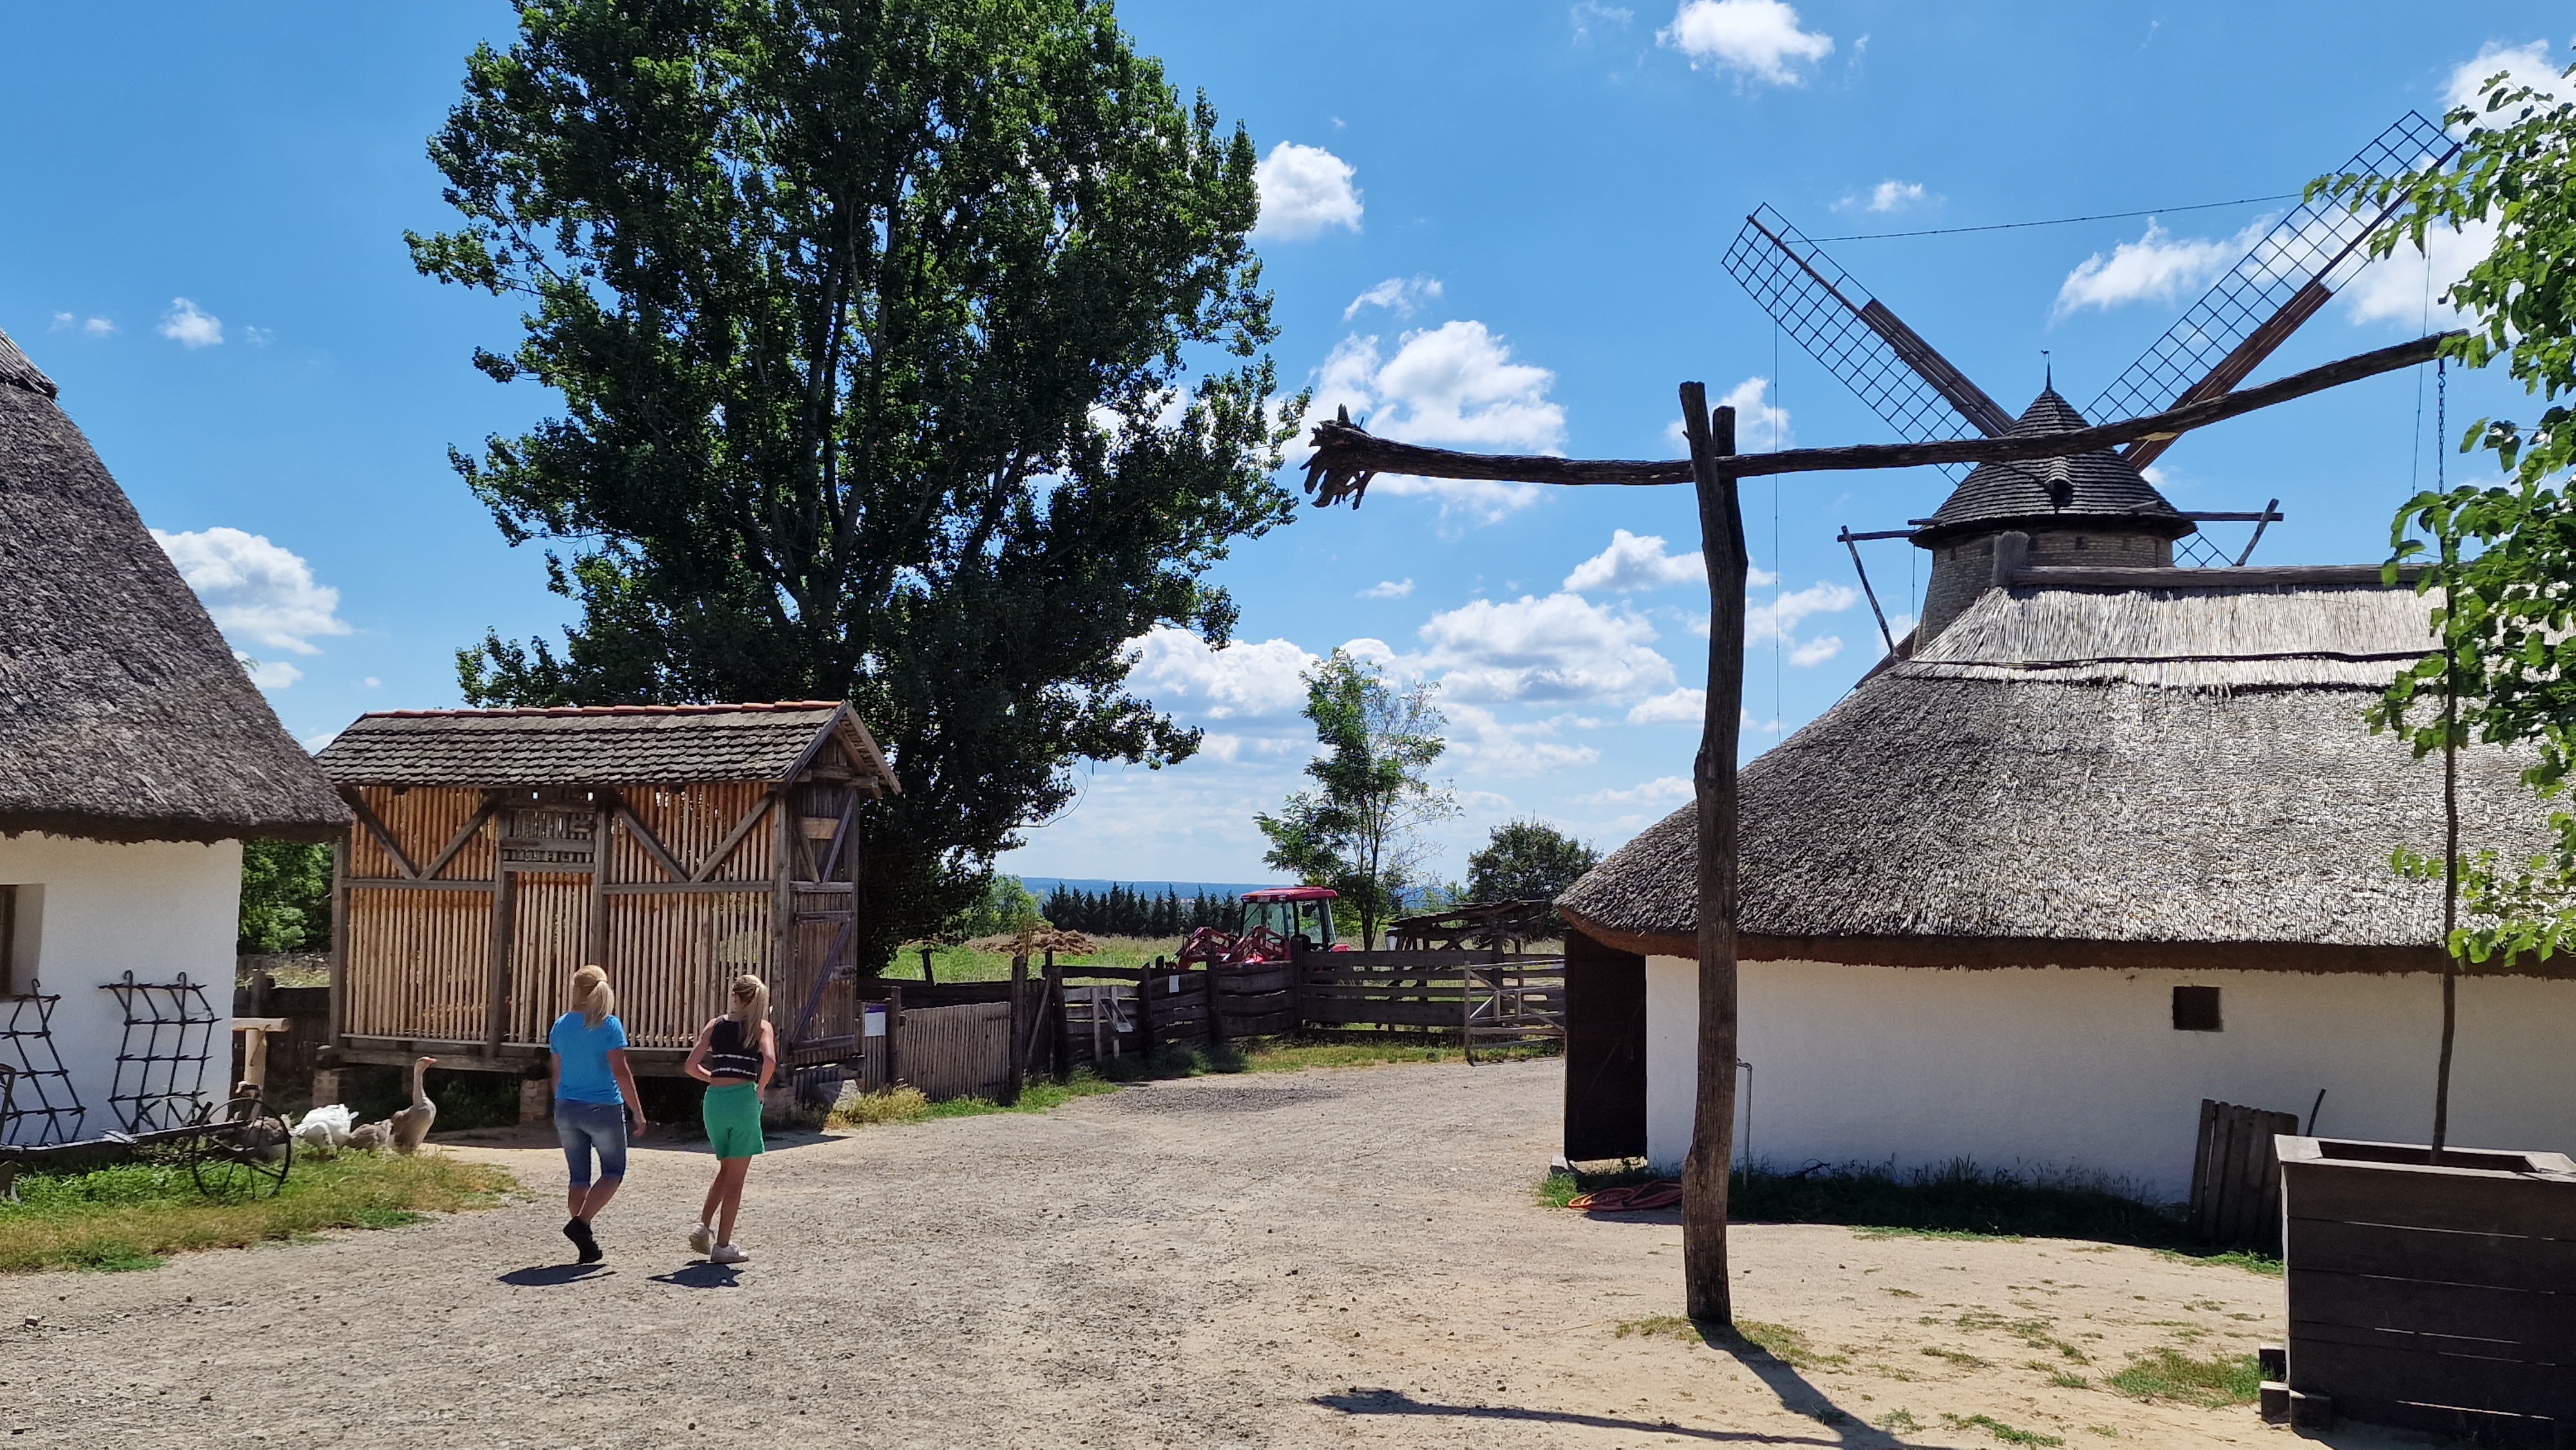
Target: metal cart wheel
(239, 1150)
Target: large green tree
(1527, 861)
(1359, 830)
(909, 351)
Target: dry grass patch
(135, 1215)
(2214, 1383)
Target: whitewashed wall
(2082, 1069)
(155, 908)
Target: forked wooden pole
(1712, 1150)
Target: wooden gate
(947, 1052)
(2236, 1176)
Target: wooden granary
(496, 851)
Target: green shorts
(732, 1114)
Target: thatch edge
(127, 831)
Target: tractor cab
(1286, 913)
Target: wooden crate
(2428, 1297)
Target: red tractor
(1273, 920)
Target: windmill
(2095, 508)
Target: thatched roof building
(123, 715)
(2093, 777)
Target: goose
(411, 1125)
(371, 1137)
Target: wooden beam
(684, 888)
(651, 843)
(339, 940)
(741, 829)
(496, 996)
(464, 834)
(1707, 1294)
(376, 827)
(405, 883)
(1347, 457)
(595, 937)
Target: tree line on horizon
(1127, 911)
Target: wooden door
(814, 1000)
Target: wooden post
(1060, 1042)
(594, 946)
(1215, 1024)
(925, 966)
(1145, 1008)
(1019, 1020)
(782, 936)
(894, 1033)
(1704, 1172)
(496, 998)
(339, 948)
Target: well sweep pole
(1704, 1173)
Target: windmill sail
(2280, 284)
(1901, 376)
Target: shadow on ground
(539, 1276)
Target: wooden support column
(1704, 1172)
(496, 1000)
(1061, 1045)
(782, 906)
(1145, 1006)
(894, 1033)
(594, 949)
(1019, 1017)
(339, 1023)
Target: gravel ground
(1322, 1258)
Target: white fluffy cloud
(1589, 13)
(1684, 706)
(2523, 65)
(190, 326)
(1892, 195)
(1759, 425)
(1305, 190)
(1399, 295)
(95, 327)
(1561, 647)
(1455, 385)
(256, 591)
(1633, 562)
(1767, 619)
(1241, 681)
(1663, 790)
(2157, 267)
(1480, 742)
(1387, 589)
(1760, 40)
(2396, 287)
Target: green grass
(1999, 1430)
(968, 964)
(134, 1216)
(1789, 1346)
(2252, 1263)
(1957, 1200)
(2213, 1383)
(907, 1105)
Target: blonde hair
(592, 996)
(750, 1008)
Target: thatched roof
(123, 715)
(2088, 488)
(598, 745)
(2093, 777)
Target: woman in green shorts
(734, 1056)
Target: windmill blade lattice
(1857, 339)
(2281, 283)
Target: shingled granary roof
(2088, 488)
(123, 714)
(597, 745)
(2094, 777)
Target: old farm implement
(1276, 921)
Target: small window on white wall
(2195, 1009)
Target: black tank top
(728, 1058)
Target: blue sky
(1494, 226)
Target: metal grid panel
(34, 1087)
(175, 1025)
(1819, 305)
(2317, 241)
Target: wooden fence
(292, 1054)
(2236, 1176)
(960, 1051)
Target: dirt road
(1323, 1258)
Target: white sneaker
(726, 1254)
(701, 1239)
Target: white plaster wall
(2082, 1069)
(155, 908)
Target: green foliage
(1359, 831)
(1006, 908)
(285, 897)
(1958, 1199)
(909, 354)
(1127, 911)
(2504, 670)
(2001, 1431)
(1527, 861)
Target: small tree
(1360, 831)
(2504, 557)
(285, 897)
(1527, 861)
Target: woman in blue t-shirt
(594, 1095)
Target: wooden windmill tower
(2096, 509)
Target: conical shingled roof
(2088, 487)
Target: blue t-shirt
(584, 1050)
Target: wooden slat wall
(2236, 1176)
(956, 1052)
(674, 958)
(423, 820)
(690, 821)
(419, 963)
(549, 922)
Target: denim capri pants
(585, 1128)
